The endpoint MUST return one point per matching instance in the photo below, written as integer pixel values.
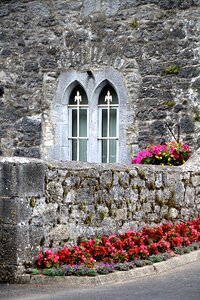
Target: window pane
(83, 123)
(74, 149)
(113, 123)
(104, 122)
(112, 148)
(74, 123)
(83, 150)
(104, 151)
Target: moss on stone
(151, 185)
(32, 202)
(172, 69)
(88, 219)
(159, 201)
(82, 206)
(102, 214)
(196, 115)
(170, 103)
(141, 174)
(134, 24)
(42, 241)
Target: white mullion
(100, 142)
(78, 124)
(70, 129)
(87, 143)
(108, 133)
(117, 137)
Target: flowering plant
(172, 154)
(124, 248)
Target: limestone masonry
(154, 45)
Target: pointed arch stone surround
(92, 86)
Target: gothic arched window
(78, 120)
(108, 107)
(90, 118)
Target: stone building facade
(148, 52)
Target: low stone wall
(83, 200)
(46, 204)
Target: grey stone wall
(84, 200)
(51, 205)
(21, 182)
(155, 45)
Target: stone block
(106, 179)
(14, 247)
(31, 179)
(14, 210)
(8, 180)
(7, 273)
(196, 180)
(21, 177)
(37, 239)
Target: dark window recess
(1, 90)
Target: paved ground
(182, 283)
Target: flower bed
(121, 252)
(172, 154)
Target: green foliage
(103, 214)
(187, 249)
(178, 250)
(82, 207)
(88, 219)
(196, 246)
(32, 202)
(53, 272)
(81, 271)
(91, 272)
(156, 258)
(134, 24)
(141, 173)
(148, 262)
(139, 263)
(196, 115)
(122, 267)
(35, 271)
(170, 103)
(172, 69)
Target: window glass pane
(104, 151)
(74, 149)
(83, 123)
(113, 123)
(104, 122)
(82, 93)
(74, 123)
(112, 148)
(83, 150)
